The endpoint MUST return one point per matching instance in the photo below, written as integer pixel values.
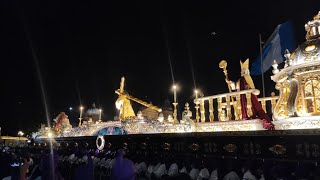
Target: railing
(229, 105)
(273, 100)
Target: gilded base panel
(242, 125)
(312, 122)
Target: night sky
(83, 49)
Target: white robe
(149, 171)
(141, 168)
(214, 175)
(173, 170)
(249, 176)
(231, 176)
(160, 171)
(194, 173)
(183, 170)
(204, 174)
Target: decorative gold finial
(223, 64)
(275, 67)
(288, 61)
(317, 17)
(312, 27)
(244, 66)
(122, 85)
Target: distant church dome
(93, 111)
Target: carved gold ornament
(278, 149)
(230, 148)
(166, 146)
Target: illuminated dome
(93, 111)
(308, 52)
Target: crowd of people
(121, 164)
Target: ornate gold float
(299, 83)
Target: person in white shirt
(204, 174)
(194, 173)
(214, 175)
(149, 171)
(160, 171)
(141, 168)
(248, 176)
(231, 176)
(173, 170)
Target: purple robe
(123, 169)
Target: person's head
(120, 153)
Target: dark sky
(83, 49)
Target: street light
(50, 134)
(174, 87)
(81, 109)
(20, 133)
(80, 118)
(196, 92)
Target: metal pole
(261, 66)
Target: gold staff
(223, 65)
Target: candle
(196, 91)
(81, 108)
(100, 110)
(175, 93)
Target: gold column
(249, 105)
(303, 96)
(238, 107)
(80, 122)
(175, 120)
(285, 102)
(292, 98)
(211, 116)
(273, 102)
(219, 108)
(229, 115)
(235, 106)
(263, 104)
(315, 108)
(202, 111)
(197, 111)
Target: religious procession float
(246, 124)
